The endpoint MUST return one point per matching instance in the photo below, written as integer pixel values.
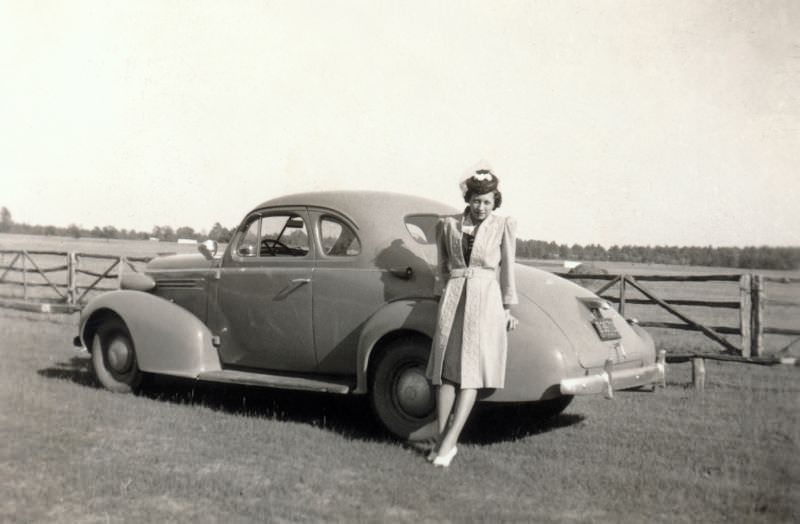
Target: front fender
(168, 339)
(412, 315)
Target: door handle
(294, 284)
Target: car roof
(363, 205)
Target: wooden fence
(63, 285)
(66, 281)
(751, 306)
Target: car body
(334, 291)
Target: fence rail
(62, 286)
(751, 305)
(66, 292)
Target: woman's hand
(511, 321)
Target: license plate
(605, 329)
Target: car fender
(167, 338)
(411, 315)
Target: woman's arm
(443, 265)
(508, 249)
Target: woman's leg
(465, 399)
(445, 398)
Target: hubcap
(119, 355)
(414, 392)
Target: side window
(422, 228)
(337, 238)
(282, 235)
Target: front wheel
(402, 397)
(114, 357)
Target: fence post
(71, 263)
(744, 312)
(24, 275)
(699, 374)
(622, 295)
(757, 302)
(122, 261)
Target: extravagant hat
(479, 179)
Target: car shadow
(77, 370)
(347, 415)
(502, 424)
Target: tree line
(166, 233)
(752, 257)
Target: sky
(609, 122)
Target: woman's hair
(498, 197)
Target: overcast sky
(606, 121)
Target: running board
(230, 376)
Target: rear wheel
(402, 397)
(114, 357)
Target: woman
(469, 344)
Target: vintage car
(334, 292)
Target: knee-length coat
(488, 282)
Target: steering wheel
(270, 244)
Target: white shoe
(444, 461)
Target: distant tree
(219, 233)
(185, 232)
(5, 220)
(110, 232)
(74, 231)
(49, 230)
(96, 232)
(168, 233)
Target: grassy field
(73, 452)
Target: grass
(181, 452)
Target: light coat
(484, 346)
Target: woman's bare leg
(465, 399)
(445, 398)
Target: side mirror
(208, 249)
(247, 250)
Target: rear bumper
(607, 381)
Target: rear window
(422, 228)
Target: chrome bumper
(607, 381)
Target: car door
(262, 309)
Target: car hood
(176, 262)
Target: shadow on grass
(77, 370)
(502, 424)
(348, 415)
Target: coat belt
(472, 272)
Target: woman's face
(481, 205)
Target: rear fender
(411, 315)
(168, 339)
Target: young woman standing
(469, 344)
